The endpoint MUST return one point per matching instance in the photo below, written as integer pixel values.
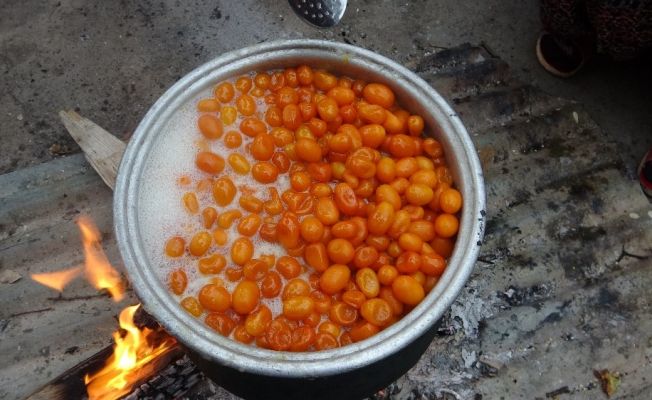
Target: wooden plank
(102, 150)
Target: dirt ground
(111, 60)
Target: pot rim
(210, 345)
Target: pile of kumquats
(355, 204)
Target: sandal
(562, 58)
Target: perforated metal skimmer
(320, 13)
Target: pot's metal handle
(102, 150)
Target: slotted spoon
(319, 13)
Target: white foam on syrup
(162, 214)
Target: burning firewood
(71, 384)
(136, 355)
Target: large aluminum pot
(353, 371)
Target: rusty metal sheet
(561, 288)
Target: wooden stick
(70, 384)
(102, 150)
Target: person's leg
(623, 28)
(565, 18)
(567, 40)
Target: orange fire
(97, 268)
(131, 360)
(59, 279)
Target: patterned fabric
(619, 28)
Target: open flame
(59, 279)
(137, 352)
(131, 360)
(99, 271)
(97, 268)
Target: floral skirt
(621, 29)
